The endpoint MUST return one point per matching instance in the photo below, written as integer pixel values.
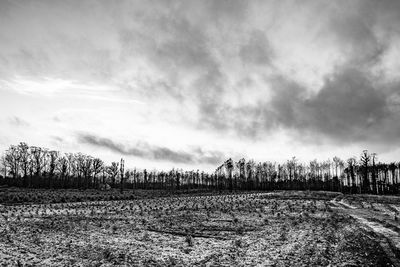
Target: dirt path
(385, 227)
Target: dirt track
(385, 226)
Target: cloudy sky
(190, 83)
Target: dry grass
(279, 229)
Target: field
(287, 228)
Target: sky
(188, 84)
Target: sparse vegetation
(284, 228)
(55, 214)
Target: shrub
(240, 230)
(189, 240)
(146, 237)
(238, 243)
(107, 254)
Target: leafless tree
(373, 170)
(13, 158)
(365, 160)
(113, 171)
(62, 168)
(98, 166)
(24, 160)
(121, 173)
(39, 159)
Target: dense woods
(35, 167)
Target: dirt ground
(253, 229)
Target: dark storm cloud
(190, 44)
(348, 108)
(354, 104)
(353, 30)
(178, 46)
(184, 46)
(109, 144)
(257, 50)
(360, 31)
(187, 51)
(351, 106)
(146, 151)
(226, 9)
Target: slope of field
(257, 229)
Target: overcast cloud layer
(157, 80)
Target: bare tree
(229, 168)
(365, 159)
(336, 162)
(250, 166)
(392, 168)
(98, 166)
(62, 168)
(351, 162)
(13, 157)
(24, 160)
(52, 160)
(121, 173)
(87, 169)
(113, 171)
(374, 187)
(4, 165)
(39, 160)
(80, 165)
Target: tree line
(36, 167)
(354, 175)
